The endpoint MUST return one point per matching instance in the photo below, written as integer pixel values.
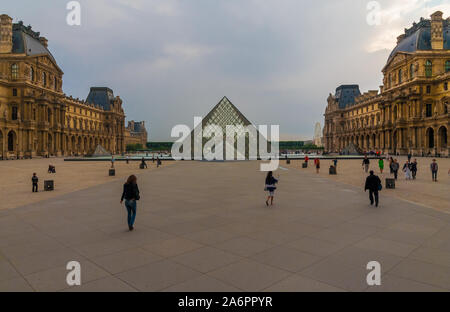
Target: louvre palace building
(36, 117)
(410, 113)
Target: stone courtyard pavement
(204, 227)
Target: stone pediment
(398, 58)
(47, 61)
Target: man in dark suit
(373, 184)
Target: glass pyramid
(223, 114)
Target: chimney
(437, 37)
(43, 41)
(5, 34)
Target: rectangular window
(446, 86)
(14, 71)
(14, 113)
(428, 89)
(429, 110)
(428, 69)
(14, 92)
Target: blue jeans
(131, 208)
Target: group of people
(142, 165)
(373, 183)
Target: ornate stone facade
(36, 117)
(135, 133)
(410, 114)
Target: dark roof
(136, 126)
(27, 41)
(102, 96)
(345, 95)
(418, 37)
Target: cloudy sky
(171, 60)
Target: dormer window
(411, 71)
(31, 73)
(400, 73)
(447, 66)
(44, 79)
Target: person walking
(391, 161)
(317, 164)
(409, 157)
(131, 195)
(434, 170)
(143, 164)
(158, 162)
(414, 169)
(395, 166)
(373, 184)
(306, 160)
(366, 163)
(381, 164)
(270, 187)
(335, 161)
(407, 170)
(112, 162)
(34, 181)
(128, 159)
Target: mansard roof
(102, 96)
(418, 38)
(27, 41)
(346, 94)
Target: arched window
(389, 80)
(31, 73)
(44, 79)
(55, 83)
(428, 69)
(14, 71)
(411, 71)
(400, 74)
(447, 66)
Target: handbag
(380, 187)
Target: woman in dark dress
(131, 195)
(270, 187)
